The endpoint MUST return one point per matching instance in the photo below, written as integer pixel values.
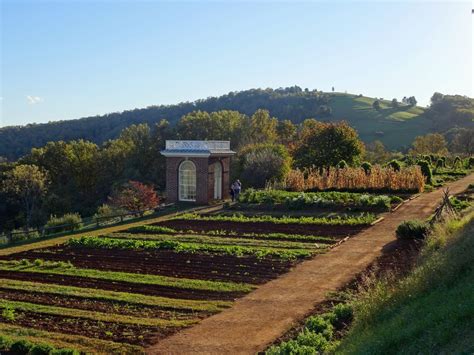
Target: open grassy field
(395, 127)
(124, 290)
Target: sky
(71, 59)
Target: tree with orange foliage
(135, 197)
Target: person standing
(237, 187)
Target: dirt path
(262, 316)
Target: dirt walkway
(262, 316)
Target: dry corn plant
(377, 179)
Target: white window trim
(180, 183)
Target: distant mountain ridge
(396, 127)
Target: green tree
(326, 144)
(259, 163)
(260, 128)
(376, 105)
(433, 143)
(28, 183)
(394, 103)
(376, 153)
(463, 142)
(286, 132)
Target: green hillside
(396, 128)
(429, 312)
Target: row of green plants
(172, 304)
(303, 200)
(176, 246)
(151, 229)
(87, 314)
(218, 240)
(44, 267)
(344, 220)
(25, 347)
(318, 333)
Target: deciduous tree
(326, 144)
(28, 184)
(135, 197)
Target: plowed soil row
(145, 289)
(95, 305)
(263, 227)
(124, 333)
(246, 269)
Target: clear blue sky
(69, 59)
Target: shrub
(395, 165)
(67, 223)
(19, 235)
(412, 230)
(21, 347)
(259, 163)
(8, 314)
(440, 163)
(342, 164)
(470, 162)
(366, 166)
(40, 349)
(426, 171)
(457, 162)
(320, 325)
(343, 312)
(106, 213)
(316, 340)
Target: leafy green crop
(237, 250)
(364, 218)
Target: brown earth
(121, 286)
(119, 332)
(263, 227)
(247, 269)
(92, 304)
(256, 320)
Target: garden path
(259, 318)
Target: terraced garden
(124, 291)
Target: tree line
(79, 176)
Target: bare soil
(92, 304)
(123, 333)
(248, 269)
(145, 289)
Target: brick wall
(204, 178)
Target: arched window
(187, 181)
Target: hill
(395, 127)
(431, 310)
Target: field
(124, 291)
(394, 127)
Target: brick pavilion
(197, 171)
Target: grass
(396, 128)
(362, 219)
(59, 340)
(113, 296)
(429, 311)
(98, 316)
(218, 286)
(197, 247)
